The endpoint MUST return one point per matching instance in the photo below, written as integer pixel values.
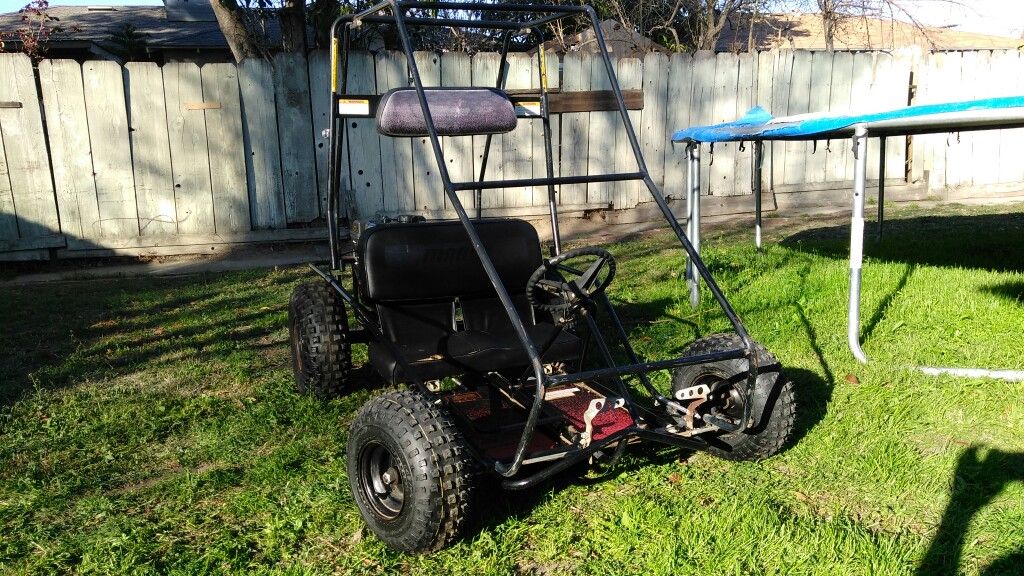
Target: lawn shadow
(1012, 290)
(979, 477)
(985, 241)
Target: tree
(232, 24)
(244, 25)
(37, 25)
(834, 13)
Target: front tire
(410, 472)
(774, 408)
(318, 331)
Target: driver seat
(418, 276)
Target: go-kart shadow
(987, 241)
(980, 476)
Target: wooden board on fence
(1006, 65)
(429, 190)
(395, 153)
(819, 98)
(485, 73)
(795, 167)
(517, 145)
(111, 150)
(766, 63)
(594, 100)
(295, 130)
(262, 147)
(70, 150)
(190, 158)
(654, 129)
(575, 140)
(364, 170)
(457, 71)
(746, 98)
(8, 218)
(722, 168)
(782, 81)
(602, 134)
(703, 108)
(151, 152)
(321, 101)
(679, 87)
(227, 154)
(25, 149)
(540, 169)
(838, 152)
(627, 193)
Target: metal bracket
(597, 406)
(698, 391)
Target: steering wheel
(570, 281)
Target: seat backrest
(455, 111)
(435, 261)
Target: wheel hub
(381, 481)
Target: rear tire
(775, 424)
(318, 330)
(410, 472)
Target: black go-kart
(501, 360)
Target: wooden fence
(97, 157)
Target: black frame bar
(402, 21)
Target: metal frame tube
(860, 169)
(755, 185)
(693, 218)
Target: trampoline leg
(693, 219)
(756, 186)
(860, 139)
(881, 185)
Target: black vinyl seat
(418, 275)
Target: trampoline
(759, 126)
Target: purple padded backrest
(456, 112)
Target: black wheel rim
(381, 481)
(726, 400)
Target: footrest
(573, 401)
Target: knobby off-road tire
(318, 329)
(774, 422)
(410, 472)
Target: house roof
(806, 31)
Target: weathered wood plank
(1007, 66)
(540, 193)
(320, 100)
(819, 99)
(429, 189)
(838, 151)
(485, 73)
(627, 194)
(782, 81)
(457, 71)
(601, 136)
(575, 128)
(111, 149)
(861, 101)
(591, 100)
(295, 129)
(795, 167)
(517, 145)
(722, 171)
(70, 150)
(766, 64)
(985, 164)
(680, 86)
(702, 101)
(655, 129)
(364, 170)
(262, 146)
(190, 159)
(8, 217)
(746, 98)
(151, 151)
(396, 153)
(227, 156)
(24, 146)
(897, 95)
(959, 154)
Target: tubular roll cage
(696, 270)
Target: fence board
(517, 145)
(601, 136)
(627, 194)
(746, 98)
(702, 103)
(70, 152)
(190, 159)
(819, 99)
(985, 168)
(655, 130)
(396, 153)
(262, 147)
(838, 151)
(321, 102)
(25, 149)
(295, 129)
(722, 171)
(151, 152)
(766, 64)
(111, 150)
(680, 85)
(227, 157)
(457, 71)
(364, 142)
(8, 218)
(540, 193)
(575, 142)
(485, 73)
(795, 168)
(782, 81)
(429, 190)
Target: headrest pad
(456, 112)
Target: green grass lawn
(150, 425)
